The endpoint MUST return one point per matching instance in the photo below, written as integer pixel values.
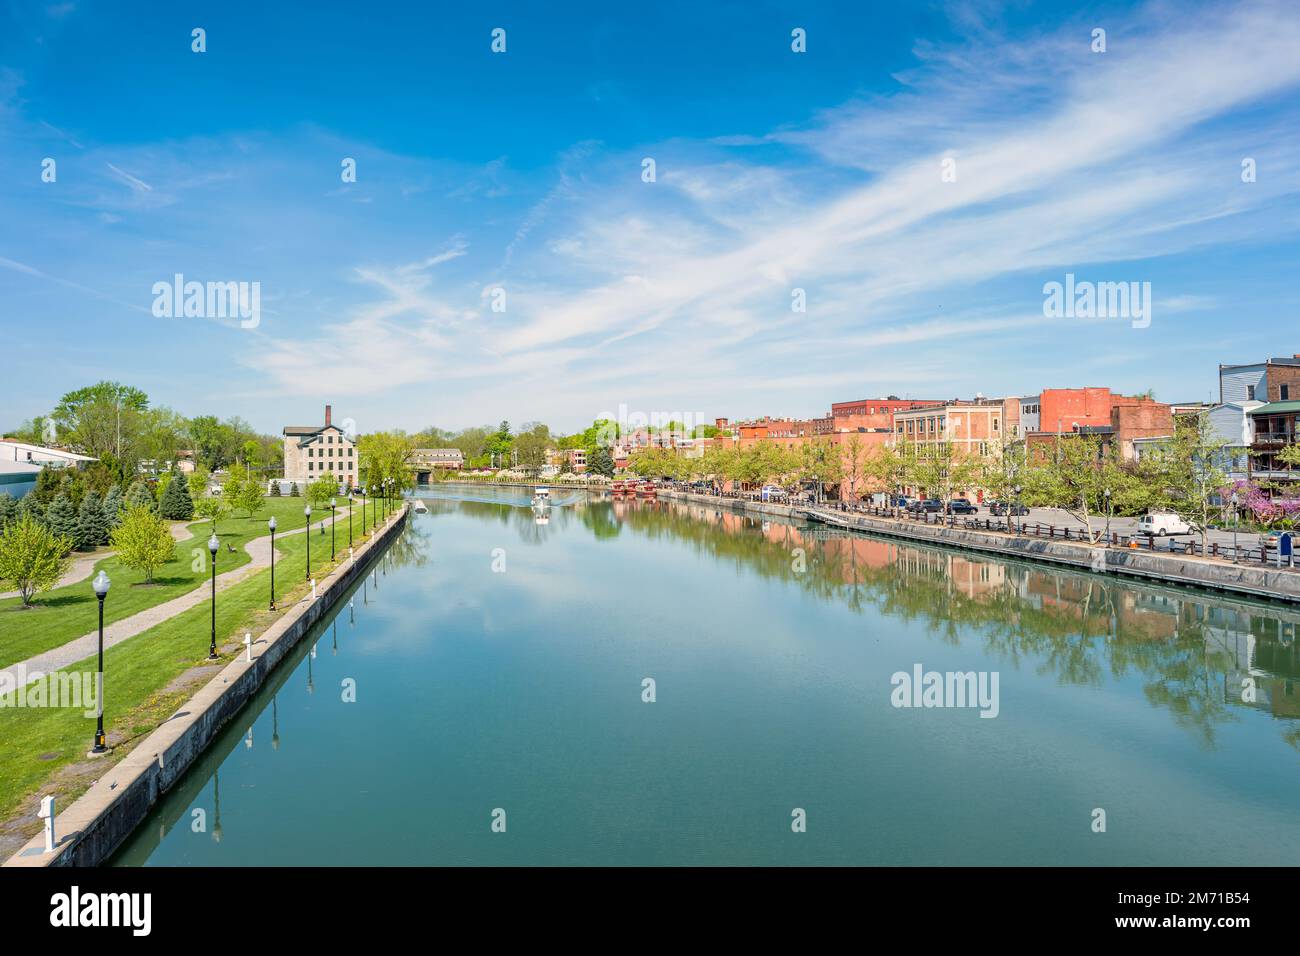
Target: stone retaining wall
(1254, 581)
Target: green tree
(275, 489)
(113, 503)
(293, 490)
(1188, 473)
(176, 503)
(32, 559)
(139, 494)
(105, 421)
(242, 490)
(531, 444)
(92, 525)
(8, 509)
(61, 518)
(143, 541)
(385, 457)
(942, 469)
(1070, 476)
(212, 510)
(599, 462)
(320, 491)
(197, 480)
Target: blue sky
(522, 171)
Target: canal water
(482, 699)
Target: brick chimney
(327, 415)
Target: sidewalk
(78, 649)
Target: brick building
(1272, 380)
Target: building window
(1283, 392)
(1250, 393)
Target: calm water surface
(520, 688)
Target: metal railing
(1241, 554)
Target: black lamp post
(332, 504)
(306, 512)
(1015, 506)
(213, 546)
(349, 518)
(1107, 493)
(271, 524)
(100, 584)
(1234, 527)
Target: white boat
(420, 507)
(542, 498)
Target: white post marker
(313, 589)
(248, 647)
(351, 556)
(47, 814)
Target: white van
(1161, 524)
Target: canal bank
(89, 830)
(1254, 582)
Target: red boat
(645, 490)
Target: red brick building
(871, 413)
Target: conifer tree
(61, 518)
(176, 503)
(92, 525)
(8, 509)
(113, 505)
(139, 494)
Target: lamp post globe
(101, 585)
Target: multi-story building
(1135, 423)
(1277, 425)
(1062, 410)
(577, 459)
(1029, 416)
(1272, 380)
(976, 427)
(871, 413)
(1231, 423)
(314, 451)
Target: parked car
(1000, 508)
(960, 506)
(927, 505)
(1160, 524)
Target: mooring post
(47, 814)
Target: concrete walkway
(83, 564)
(78, 649)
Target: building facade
(1272, 380)
(312, 452)
(1277, 425)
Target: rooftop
(1277, 408)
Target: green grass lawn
(66, 613)
(137, 672)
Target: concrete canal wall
(95, 825)
(1254, 581)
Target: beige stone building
(314, 451)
